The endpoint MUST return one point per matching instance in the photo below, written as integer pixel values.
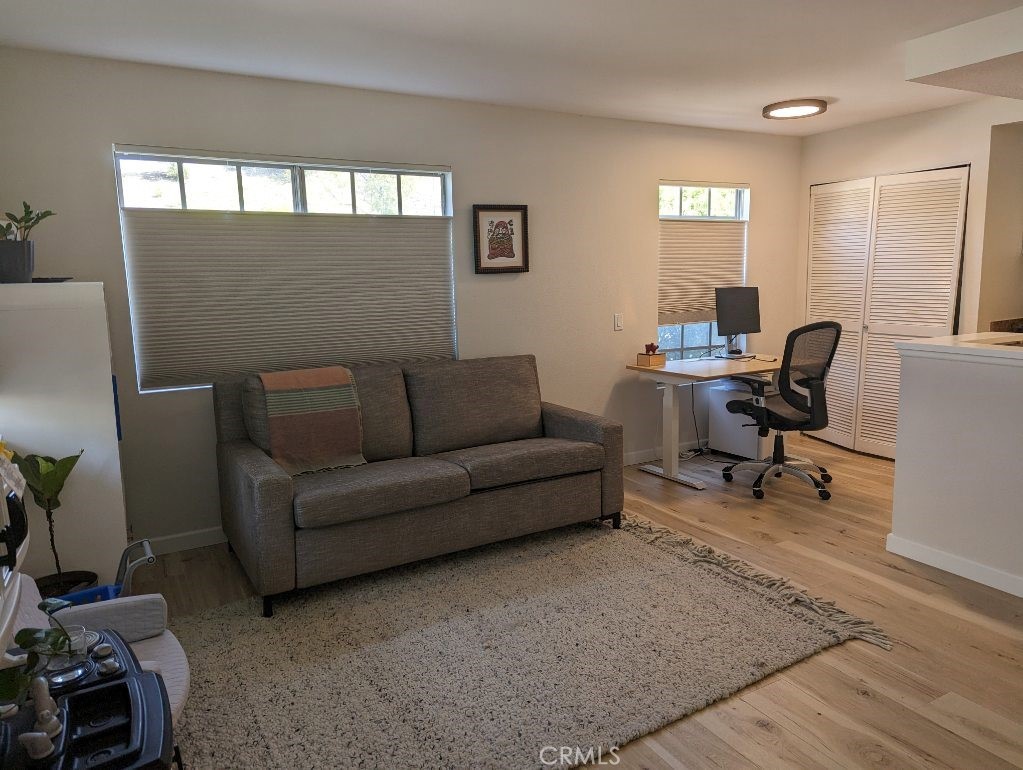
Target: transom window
(179, 182)
(693, 201)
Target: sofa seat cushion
(376, 489)
(512, 462)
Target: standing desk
(690, 372)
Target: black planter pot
(17, 261)
(65, 583)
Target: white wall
(1001, 281)
(55, 400)
(591, 187)
(934, 139)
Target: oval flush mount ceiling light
(795, 108)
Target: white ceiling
(709, 63)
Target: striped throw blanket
(313, 419)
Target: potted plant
(46, 476)
(41, 645)
(17, 252)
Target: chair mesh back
(808, 354)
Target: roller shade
(695, 257)
(221, 294)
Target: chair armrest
(133, 617)
(256, 497)
(562, 422)
(757, 384)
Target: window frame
(741, 201)
(297, 169)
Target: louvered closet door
(840, 222)
(911, 287)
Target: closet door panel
(912, 285)
(879, 397)
(839, 242)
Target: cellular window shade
(216, 295)
(695, 257)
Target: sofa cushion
(383, 405)
(459, 404)
(376, 489)
(386, 420)
(497, 465)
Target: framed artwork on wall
(501, 238)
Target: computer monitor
(738, 312)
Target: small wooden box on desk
(651, 359)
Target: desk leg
(669, 443)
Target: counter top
(981, 345)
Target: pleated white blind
(221, 294)
(695, 258)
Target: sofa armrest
(256, 510)
(562, 422)
(133, 617)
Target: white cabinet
(884, 258)
(56, 397)
(957, 502)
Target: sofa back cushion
(473, 402)
(386, 421)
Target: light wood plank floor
(950, 694)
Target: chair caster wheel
(826, 478)
(825, 494)
(821, 470)
(758, 493)
(726, 475)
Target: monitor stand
(732, 349)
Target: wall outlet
(619, 322)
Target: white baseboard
(641, 456)
(185, 541)
(957, 565)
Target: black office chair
(800, 404)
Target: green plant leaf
(44, 641)
(52, 605)
(46, 476)
(14, 683)
(29, 638)
(14, 218)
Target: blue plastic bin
(125, 570)
(94, 594)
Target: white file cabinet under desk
(727, 433)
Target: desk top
(707, 369)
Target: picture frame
(500, 238)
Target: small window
(328, 192)
(376, 193)
(685, 201)
(421, 195)
(211, 186)
(150, 184)
(267, 188)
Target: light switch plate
(619, 322)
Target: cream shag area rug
(581, 637)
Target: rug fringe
(855, 627)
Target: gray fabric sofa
(459, 454)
